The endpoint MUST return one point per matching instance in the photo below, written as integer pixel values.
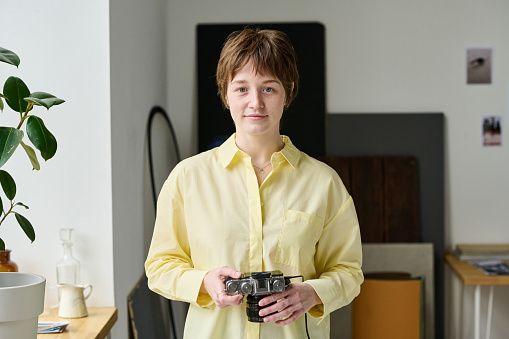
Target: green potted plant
(19, 98)
(21, 288)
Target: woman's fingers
(296, 300)
(225, 300)
(282, 309)
(294, 316)
(213, 283)
(229, 272)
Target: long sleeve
(169, 266)
(339, 258)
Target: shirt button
(261, 203)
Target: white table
(470, 275)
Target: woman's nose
(256, 100)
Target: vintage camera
(257, 285)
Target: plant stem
(6, 214)
(24, 116)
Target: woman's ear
(290, 95)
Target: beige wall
(138, 75)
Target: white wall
(64, 50)
(390, 56)
(96, 181)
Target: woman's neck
(259, 148)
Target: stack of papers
(51, 326)
(482, 252)
(492, 267)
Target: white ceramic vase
(21, 303)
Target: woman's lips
(255, 116)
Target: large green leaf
(26, 226)
(1, 205)
(8, 185)
(31, 155)
(44, 99)
(16, 91)
(9, 141)
(9, 57)
(2, 245)
(41, 137)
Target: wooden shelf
(471, 275)
(97, 325)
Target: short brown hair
(271, 53)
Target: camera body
(257, 285)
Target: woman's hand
(297, 299)
(213, 284)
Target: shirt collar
(290, 152)
(229, 149)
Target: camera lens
(246, 287)
(253, 309)
(232, 286)
(278, 286)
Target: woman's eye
(241, 90)
(269, 90)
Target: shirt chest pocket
(300, 232)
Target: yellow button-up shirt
(301, 221)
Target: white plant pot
(21, 303)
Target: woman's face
(256, 102)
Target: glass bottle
(6, 265)
(68, 268)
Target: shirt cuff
(320, 287)
(189, 288)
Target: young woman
(256, 204)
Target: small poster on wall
(479, 62)
(492, 130)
